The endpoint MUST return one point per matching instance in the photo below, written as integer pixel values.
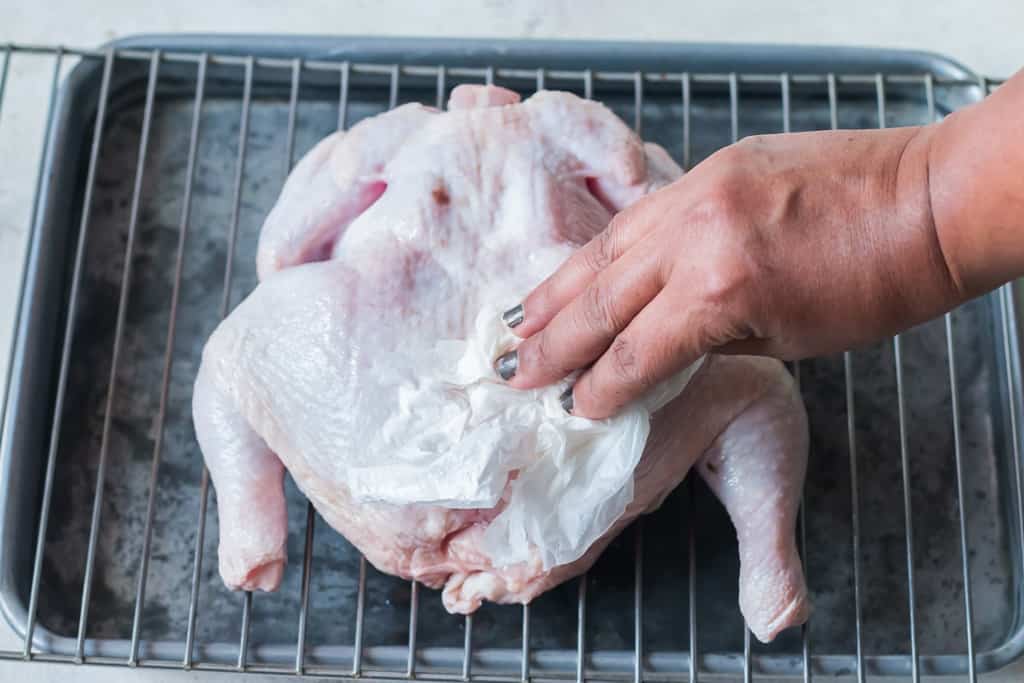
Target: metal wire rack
(216, 102)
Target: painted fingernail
(507, 364)
(566, 400)
(513, 317)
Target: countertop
(983, 34)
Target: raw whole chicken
(395, 234)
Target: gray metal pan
(733, 90)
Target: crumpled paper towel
(458, 433)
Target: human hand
(784, 245)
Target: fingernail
(507, 364)
(513, 317)
(566, 400)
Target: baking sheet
(982, 376)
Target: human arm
(786, 245)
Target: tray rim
(52, 221)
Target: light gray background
(984, 34)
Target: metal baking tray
(107, 533)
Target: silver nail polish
(566, 400)
(513, 317)
(507, 364)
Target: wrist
(943, 207)
(919, 266)
(935, 218)
(975, 160)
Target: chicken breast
(392, 236)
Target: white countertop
(983, 34)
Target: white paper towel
(458, 433)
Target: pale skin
(789, 246)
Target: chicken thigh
(393, 235)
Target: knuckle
(626, 364)
(613, 382)
(597, 309)
(732, 156)
(592, 400)
(540, 358)
(730, 284)
(726, 282)
(724, 200)
(723, 204)
(600, 253)
(752, 142)
(619, 221)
